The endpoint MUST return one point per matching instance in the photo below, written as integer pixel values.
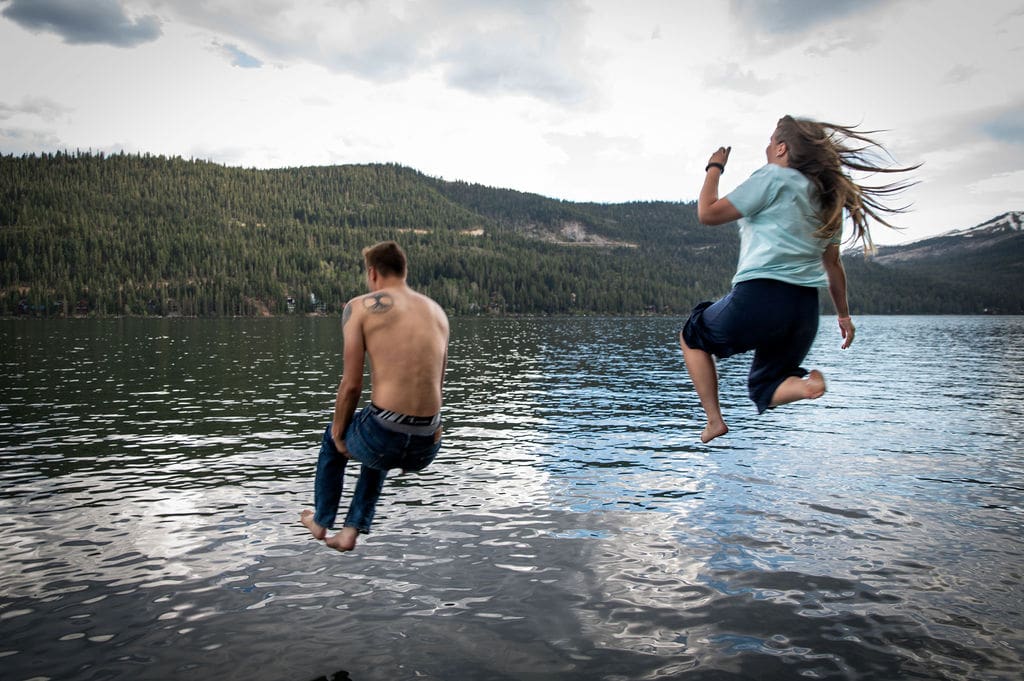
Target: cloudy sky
(586, 100)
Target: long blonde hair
(823, 153)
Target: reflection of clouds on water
(590, 443)
(89, 527)
(579, 428)
(573, 526)
(607, 453)
(618, 419)
(647, 566)
(490, 410)
(908, 374)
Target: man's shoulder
(373, 303)
(428, 300)
(377, 301)
(388, 299)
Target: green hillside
(974, 270)
(151, 235)
(128, 234)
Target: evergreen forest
(96, 234)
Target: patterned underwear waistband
(402, 423)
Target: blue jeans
(378, 450)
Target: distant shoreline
(524, 315)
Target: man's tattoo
(378, 302)
(346, 314)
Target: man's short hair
(387, 258)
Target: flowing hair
(824, 153)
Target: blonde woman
(791, 214)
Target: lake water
(574, 527)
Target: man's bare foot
(713, 430)
(344, 540)
(318, 531)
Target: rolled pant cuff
(329, 524)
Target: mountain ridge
(152, 235)
(1005, 227)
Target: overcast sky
(583, 100)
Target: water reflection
(152, 470)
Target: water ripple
(151, 472)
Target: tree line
(130, 234)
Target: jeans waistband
(402, 423)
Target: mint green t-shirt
(777, 228)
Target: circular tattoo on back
(378, 302)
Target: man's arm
(836, 274)
(444, 369)
(351, 387)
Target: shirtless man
(405, 335)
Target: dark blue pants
(778, 321)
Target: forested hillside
(128, 234)
(980, 269)
(151, 235)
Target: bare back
(405, 335)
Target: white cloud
(1003, 184)
(524, 47)
(960, 73)
(39, 107)
(732, 76)
(20, 141)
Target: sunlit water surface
(152, 471)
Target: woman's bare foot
(713, 430)
(795, 388)
(815, 384)
(344, 540)
(318, 531)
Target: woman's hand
(847, 329)
(710, 209)
(720, 157)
